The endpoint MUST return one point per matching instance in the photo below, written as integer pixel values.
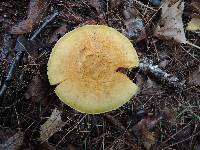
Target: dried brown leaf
(140, 80)
(134, 28)
(14, 142)
(51, 126)
(115, 3)
(171, 26)
(143, 130)
(163, 63)
(36, 10)
(151, 87)
(148, 122)
(194, 78)
(195, 5)
(149, 139)
(36, 90)
(96, 4)
(58, 33)
(134, 24)
(22, 27)
(72, 147)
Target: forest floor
(158, 117)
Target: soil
(158, 117)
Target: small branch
(20, 49)
(12, 68)
(193, 45)
(46, 21)
(147, 67)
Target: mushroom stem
(147, 67)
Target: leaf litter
(14, 142)
(146, 128)
(194, 77)
(171, 25)
(53, 124)
(36, 11)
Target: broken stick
(20, 49)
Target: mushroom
(84, 63)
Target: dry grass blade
(14, 142)
(51, 126)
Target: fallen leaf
(115, 121)
(194, 25)
(148, 122)
(58, 33)
(143, 130)
(134, 24)
(170, 115)
(149, 139)
(14, 142)
(170, 25)
(96, 4)
(134, 28)
(22, 27)
(140, 80)
(195, 5)
(37, 90)
(163, 63)
(151, 87)
(36, 10)
(115, 3)
(72, 147)
(51, 126)
(194, 77)
(45, 146)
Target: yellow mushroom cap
(83, 65)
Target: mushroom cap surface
(83, 64)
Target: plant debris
(36, 90)
(52, 125)
(155, 118)
(194, 77)
(14, 142)
(171, 25)
(143, 130)
(147, 67)
(134, 24)
(58, 33)
(36, 10)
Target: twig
(20, 49)
(191, 44)
(13, 65)
(116, 122)
(143, 5)
(46, 21)
(146, 66)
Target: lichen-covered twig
(20, 49)
(147, 67)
